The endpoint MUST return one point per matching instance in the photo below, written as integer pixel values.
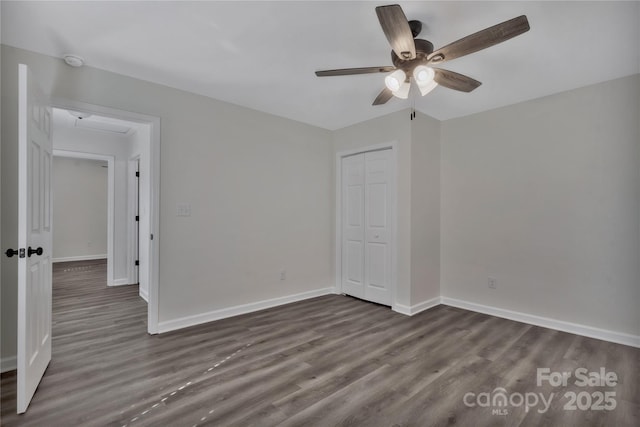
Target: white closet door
(377, 228)
(366, 228)
(353, 225)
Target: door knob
(38, 251)
(11, 252)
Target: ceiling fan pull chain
(412, 113)
(413, 105)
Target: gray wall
(79, 208)
(229, 163)
(418, 196)
(425, 209)
(545, 197)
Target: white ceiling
(263, 54)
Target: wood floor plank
(326, 361)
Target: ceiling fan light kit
(394, 80)
(413, 57)
(424, 78)
(423, 74)
(427, 87)
(403, 92)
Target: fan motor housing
(423, 49)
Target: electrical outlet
(492, 283)
(283, 275)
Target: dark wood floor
(328, 361)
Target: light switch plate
(183, 209)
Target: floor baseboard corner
(79, 258)
(546, 322)
(416, 308)
(197, 319)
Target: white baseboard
(144, 295)
(120, 282)
(8, 364)
(79, 258)
(184, 322)
(416, 308)
(545, 322)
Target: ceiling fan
(412, 57)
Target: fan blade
(454, 80)
(397, 29)
(481, 40)
(383, 97)
(350, 71)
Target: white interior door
(34, 237)
(366, 226)
(353, 225)
(377, 227)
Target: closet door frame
(392, 200)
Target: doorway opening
(127, 144)
(83, 208)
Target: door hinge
(137, 262)
(137, 174)
(137, 218)
(151, 237)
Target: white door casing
(149, 192)
(366, 221)
(34, 232)
(135, 189)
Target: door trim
(393, 146)
(154, 196)
(133, 233)
(110, 200)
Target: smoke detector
(79, 114)
(73, 60)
